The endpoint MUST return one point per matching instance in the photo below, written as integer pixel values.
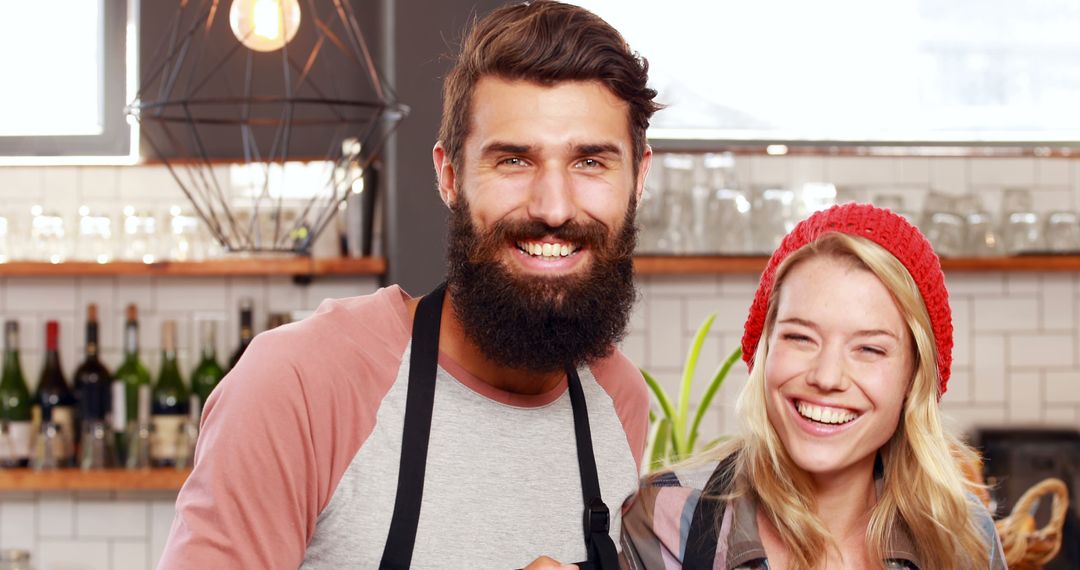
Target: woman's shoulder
(984, 521)
(656, 520)
(690, 476)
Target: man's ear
(643, 173)
(444, 171)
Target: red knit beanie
(891, 232)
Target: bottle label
(65, 417)
(17, 447)
(165, 438)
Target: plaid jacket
(657, 521)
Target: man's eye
(590, 163)
(513, 161)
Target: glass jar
(15, 559)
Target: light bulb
(264, 25)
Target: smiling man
(491, 421)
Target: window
(68, 68)
(848, 71)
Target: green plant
(674, 435)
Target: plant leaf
(661, 396)
(661, 436)
(681, 435)
(710, 392)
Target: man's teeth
(553, 250)
(825, 415)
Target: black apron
(423, 362)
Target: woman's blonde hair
(923, 487)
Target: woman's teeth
(546, 250)
(825, 415)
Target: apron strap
(419, 401)
(597, 518)
(701, 540)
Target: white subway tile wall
(1017, 336)
(1017, 355)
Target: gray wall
(423, 34)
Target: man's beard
(533, 322)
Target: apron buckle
(597, 517)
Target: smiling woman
(843, 461)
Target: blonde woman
(843, 461)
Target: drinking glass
(185, 444)
(97, 446)
(48, 236)
(946, 232)
(1022, 233)
(934, 203)
(95, 241)
(772, 218)
(895, 204)
(731, 222)
(982, 239)
(701, 226)
(1062, 231)
(138, 445)
(186, 242)
(1016, 200)
(15, 559)
(650, 213)
(678, 173)
(140, 235)
(50, 447)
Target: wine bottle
(247, 330)
(169, 403)
(93, 382)
(208, 373)
(132, 372)
(54, 398)
(15, 406)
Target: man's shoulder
(617, 368)
(343, 335)
(379, 318)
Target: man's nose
(552, 198)
(829, 371)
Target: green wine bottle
(15, 406)
(208, 373)
(132, 372)
(169, 403)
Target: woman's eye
(796, 337)
(872, 350)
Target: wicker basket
(1028, 548)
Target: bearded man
(492, 420)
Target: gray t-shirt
(298, 456)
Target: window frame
(118, 141)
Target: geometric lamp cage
(265, 83)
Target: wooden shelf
(239, 266)
(164, 479)
(754, 265)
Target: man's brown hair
(545, 42)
